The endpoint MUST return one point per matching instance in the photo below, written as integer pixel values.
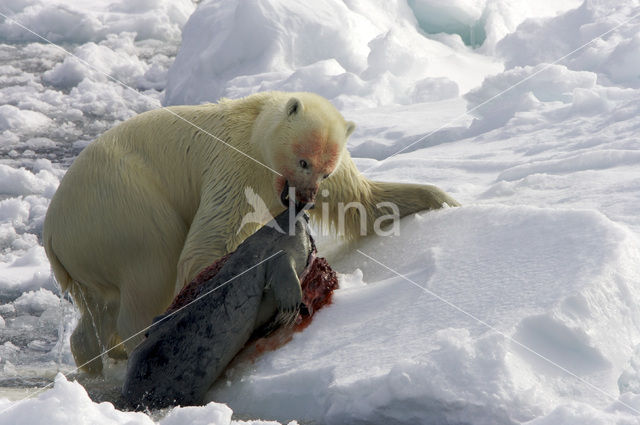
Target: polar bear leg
(144, 293)
(119, 243)
(85, 346)
(95, 333)
(205, 242)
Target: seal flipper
(283, 280)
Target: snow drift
(483, 310)
(353, 53)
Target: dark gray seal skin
(186, 351)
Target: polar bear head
(304, 141)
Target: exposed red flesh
(318, 283)
(191, 291)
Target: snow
(481, 23)
(36, 302)
(614, 57)
(77, 21)
(521, 307)
(355, 53)
(488, 281)
(68, 402)
(13, 117)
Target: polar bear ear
(294, 106)
(350, 127)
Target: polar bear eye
(326, 176)
(303, 164)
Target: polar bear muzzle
(304, 199)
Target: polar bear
(159, 197)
